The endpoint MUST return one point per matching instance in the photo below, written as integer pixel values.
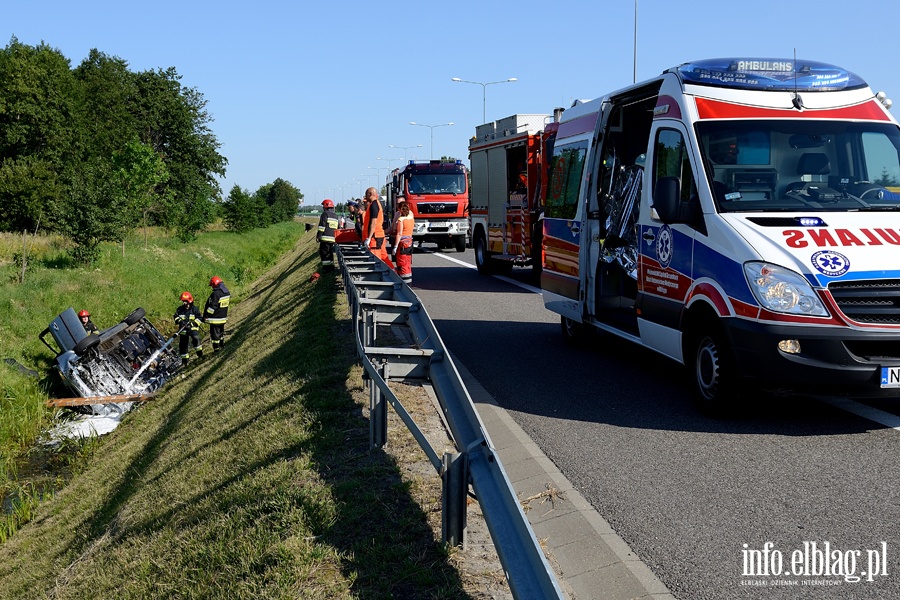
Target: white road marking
(524, 286)
(865, 411)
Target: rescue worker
(403, 241)
(356, 214)
(187, 319)
(215, 313)
(89, 326)
(373, 227)
(328, 224)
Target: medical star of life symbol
(830, 263)
(664, 248)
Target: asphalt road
(697, 498)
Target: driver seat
(813, 168)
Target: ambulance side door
(667, 232)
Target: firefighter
(373, 227)
(328, 224)
(215, 313)
(187, 319)
(403, 241)
(89, 326)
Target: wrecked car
(129, 358)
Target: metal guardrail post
(455, 480)
(377, 413)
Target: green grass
(249, 478)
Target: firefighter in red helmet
(215, 313)
(85, 318)
(187, 319)
(328, 224)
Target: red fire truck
(438, 195)
(508, 166)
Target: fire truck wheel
(714, 372)
(459, 242)
(86, 344)
(482, 257)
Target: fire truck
(508, 167)
(438, 195)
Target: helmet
(215, 281)
(186, 297)
(327, 203)
(83, 313)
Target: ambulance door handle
(648, 235)
(575, 228)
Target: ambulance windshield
(795, 165)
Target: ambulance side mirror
(667, 199)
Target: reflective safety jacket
(187, 318)
(373, 229)
(328, 223)
(216, 311)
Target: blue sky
(315, 95)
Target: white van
(740, 216)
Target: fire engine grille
(437, 208)
(876, 302)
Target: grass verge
(249, 478)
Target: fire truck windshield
(437, 183)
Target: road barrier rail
(379, 298)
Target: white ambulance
(740, 216)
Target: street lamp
(484, 92)
(431, 127)
(404, 148)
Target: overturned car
(129, 358)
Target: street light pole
(484, 92)
(404, 148)
(431, 127)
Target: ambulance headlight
(782, 290)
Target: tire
(459, 242)
(85, 344)
(573, 332)
(482, 256)
(714, 373)
(135, 316)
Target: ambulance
(740, 216)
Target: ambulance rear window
(769, 74)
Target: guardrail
(378, 297)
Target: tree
(139, 171)
(28, 187)
(282, 199)
(240, 211)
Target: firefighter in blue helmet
(215, 313)
(328, 224)
(187, 319)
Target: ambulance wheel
(714, 372)
(482, 256)
(573, 332)
(85, 344)
(135, 316)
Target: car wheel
(573, 332)
(134, 317)
(714, 372)
(85, 344)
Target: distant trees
(97, 151)
(271, 203)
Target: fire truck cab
(739, 216)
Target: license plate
(890, 377)
(437, 225)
